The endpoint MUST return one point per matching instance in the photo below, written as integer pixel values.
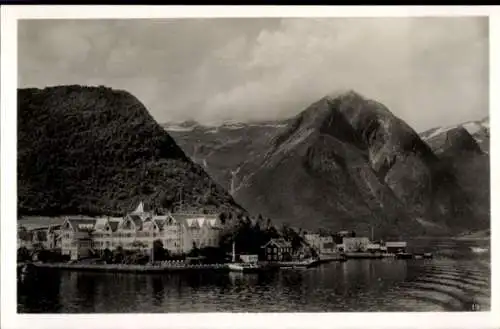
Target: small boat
(427, 255)
(404, 255)
(245, 267)
(306, 263)
(478, 250)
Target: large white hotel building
(77, 236)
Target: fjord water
(456, 279)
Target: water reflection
(444, 283)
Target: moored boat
(404, 255)
(245, 267)
(478, 250)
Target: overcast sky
(428, 71)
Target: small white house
(249, 258)
(373, 247)
(355, 244)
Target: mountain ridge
(365, 137)
(98, 150)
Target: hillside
(344, 162)
(95, 150)
(224, 151)
(464, 151)
(479, 130)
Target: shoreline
(160, 268)
(127, 268)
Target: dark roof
(137, 220)
(160, 222)
(114, 225)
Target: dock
(132, 268)
(363, 255)
(334, 257)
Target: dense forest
(95, 150)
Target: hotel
(81, 236)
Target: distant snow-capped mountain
(479, 130)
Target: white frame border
(9, 318)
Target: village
(180, 238)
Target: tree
(139, 245)
(118, 255)
(159, 252)
(24, 234)
(23, 254)
(195, 251)
(107, 256)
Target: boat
(306, 263)
(478, 250)
(427, 255)
(404, 255)
(245, 267)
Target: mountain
(479, 130)
(344, 162)
(223, 150)
(95, 150)
(464, 151)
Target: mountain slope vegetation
(95, 150)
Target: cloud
(421, 68)
(428, 71)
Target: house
(355, 244)
(200, 230)
(249, 258)
(322, 244)
(178, 232)
(373, 247)
(105, 233)
(171, 233)
(34, 231)
(76, 237)
(395, 247)
(79, 236)
(277, 250)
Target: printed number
(475, 307)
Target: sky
(428, 71)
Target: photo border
(10, 319)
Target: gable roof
(114, 225)
(195, 220)
(82, 224)
(137, 220)
(280, 243)
(139, 209)
(160, 222)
